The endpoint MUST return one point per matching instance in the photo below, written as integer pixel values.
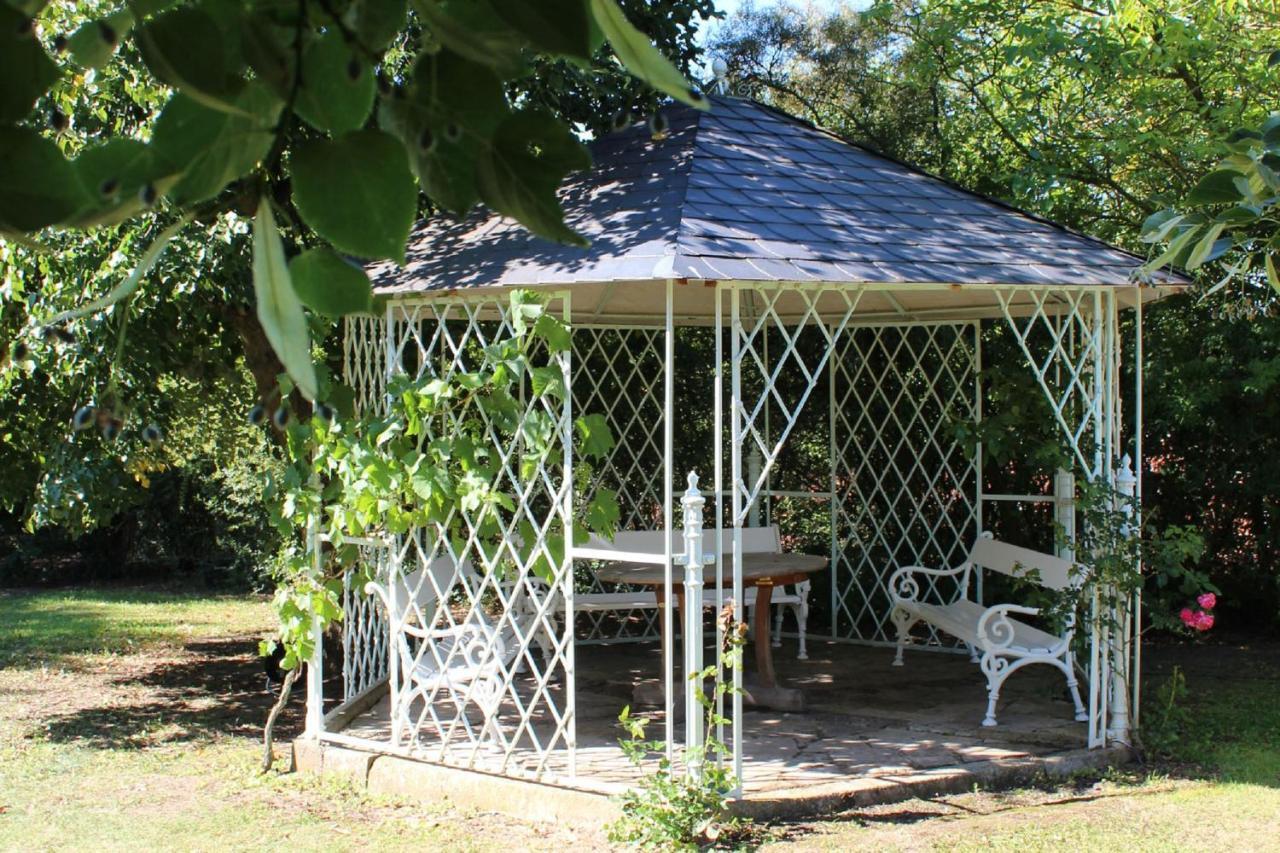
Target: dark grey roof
(744, 192)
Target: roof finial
(720, 76)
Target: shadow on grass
(216, 691)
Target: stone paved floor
(866, 720)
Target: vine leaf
(357, 192)
(329, 285)
(640, 57)
(279, 310)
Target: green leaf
(95, 42)
(185, 49)
(1174, 249)
(1159, 225)
(1272, 277)
(1217, 187)
(114, 173)
(331, 98)
(473, 29)
(446, 169)
(554, 332)
(213, 148)
(603, 513)
(1205, 245)
(357, 192)
(26, 71)
(595, 438)
(266, 49)
(640, 57)
(38, 186)
(553, 26)
(329, 285)
(377, 22)
(279, 310)
(522, 170)
(547, 380)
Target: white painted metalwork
(901, 491)
(618, 374)
(907, 490)
(1007, 644)
(503, 700)
(693, 561)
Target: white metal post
(736, 409)
(1135, 680)
(566, 589)
(693, 561)
(668, 475)
(1118, 730)
(1064, 511)
(718, 526)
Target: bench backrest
(1049, 571)
(646, 546)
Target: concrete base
(433, 783)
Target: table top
(755, 568)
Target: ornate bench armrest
(903, 585)
(995, 631)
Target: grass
(129, 719)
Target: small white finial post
(693, 559)
(720, 73)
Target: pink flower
(1196, 620)
(1208, 601)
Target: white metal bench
(646, 547)
(1006, 644)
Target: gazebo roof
(746, 193)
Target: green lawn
(129, 718)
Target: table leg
(764, 648)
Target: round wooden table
(763, 571)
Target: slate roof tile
(745, 192)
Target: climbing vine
(452, 454)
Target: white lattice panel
(481, 672)
(618, 374)
(906, 491)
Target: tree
(102, 107)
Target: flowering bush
(1202, 619)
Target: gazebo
(800, 321)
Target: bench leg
(996, 669)
(903, 621)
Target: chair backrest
(418, 592)
(1013, 560)
(646, 546)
